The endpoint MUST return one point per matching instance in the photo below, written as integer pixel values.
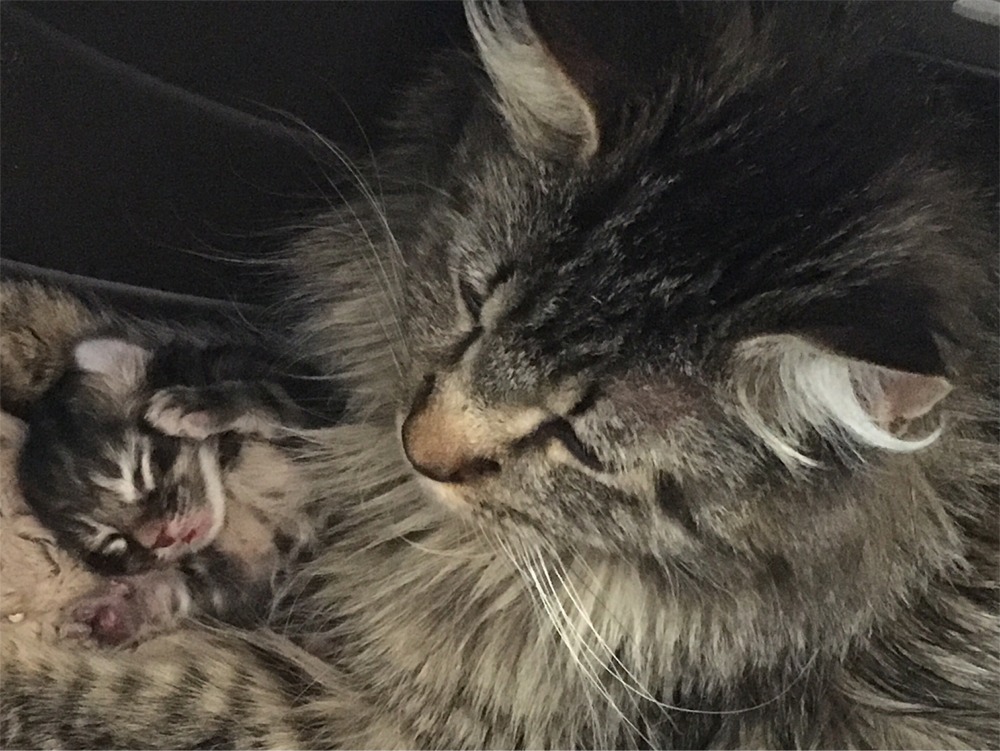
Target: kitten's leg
(223, 586)
(130, 609)
(246, 408)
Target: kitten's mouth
(171, 539)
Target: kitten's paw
(125, 611)
(181, 411)
(110, 615)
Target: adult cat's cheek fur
(448, 495)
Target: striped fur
(640, 567)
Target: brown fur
(37, 324)
(706, 592)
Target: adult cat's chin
(445, 494)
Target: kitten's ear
(548, 112)
(789, 384)
(121, 363)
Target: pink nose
(441, 446)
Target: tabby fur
(644, 526)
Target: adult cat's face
(677, 325)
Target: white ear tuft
(121, 363)
(788, 386)
(546, 111)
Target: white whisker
(634, 685)
(581, 652)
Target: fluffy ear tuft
(546, 111)
(122, 364)
(789, 386)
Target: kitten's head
(119, 492)
(706, 320)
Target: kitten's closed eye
(164, 452)
(116, 554)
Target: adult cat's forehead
(576, 227)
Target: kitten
(672, 357)
(131, 460)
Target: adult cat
(673, 418)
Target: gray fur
(682, 584)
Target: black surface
(143, 143)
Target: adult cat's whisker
(546, 614)
(576, 641)
(636, 687)
(364, 187)
(446, 553)
(556, 571)
(386, 284)
(379, 274)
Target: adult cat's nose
(442, 443)
(438, 448)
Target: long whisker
(562, 576)
(388, 286)
(636, 686)
(545, 613)
(366, 191)
(382, 277)
(575, 640)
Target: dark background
(144, 144)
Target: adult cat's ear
(548, 112)
(121, 364)
(790, 384)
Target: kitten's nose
(441, 446)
